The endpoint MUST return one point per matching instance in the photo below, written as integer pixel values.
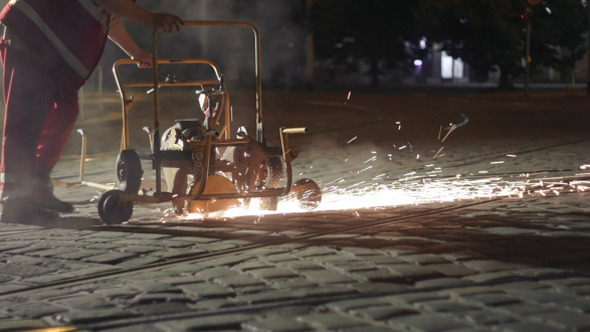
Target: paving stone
(266, 297)
(428, 322)
(487, 265)
(138, 262)
(509, 231)
(160, 308)
(81, 254)
(175, 253)
(301, 265)
(29, 249)
(354, 266)
(280, 258)
(239, 281)
(358, 251)
(291, 283)
(570, 320)
(378, 287)
(565, 283)
(13, 245)
(580, 305)
(82, 301)
(492, 277)
(229, 260)
(385, 260)
(521, 286)
(313, 252)
(216, 272)
(139, 249)
(208, 323)
(180, 280)
(424, 259)
(36, 310)
(22, 324)
(272, 273)
(414, 272)
(53, 252)
(453, 270)
(447, 305)
(110, 257)
(147, 275)
(252, 265)
(207, 290)
(526, 309)
(581, 290)
(276, 323)
(97, 315)
(529, 326)
(210, 304)
(482, 317)
(25, 271)
(155, 286)
(443, 283)
(116, 292)
(372, 328)
(543, 296)
(328, 320)
(327, 277)
(326, 290)
(540, 273)
(152, 298)
(416, 297)
(346, 305)
(492, 299)
(383, 313)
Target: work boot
(26, 212)
(49, 202)
(44, 198)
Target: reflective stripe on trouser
(39, 118)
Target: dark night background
(331, 43)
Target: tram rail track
(172, 229)
(196, 257)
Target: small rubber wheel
(274, 180)
(111, 210)
(128, 171)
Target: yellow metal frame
(208, 144)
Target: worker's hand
(144, 57)
(166, 22)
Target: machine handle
(299, 130)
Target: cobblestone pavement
(510, 252)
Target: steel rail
(204, 256)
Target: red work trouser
(39, 118)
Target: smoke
(282, 37)
(231, 48)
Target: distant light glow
(422, 43)
(451, 68)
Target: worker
(48, 50)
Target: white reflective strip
(70, 58)
(97, 12)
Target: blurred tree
(559, 34)
(373, 31)
(492, 33)
(484, 33)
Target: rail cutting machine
(204, 168)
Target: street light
(527, 72)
